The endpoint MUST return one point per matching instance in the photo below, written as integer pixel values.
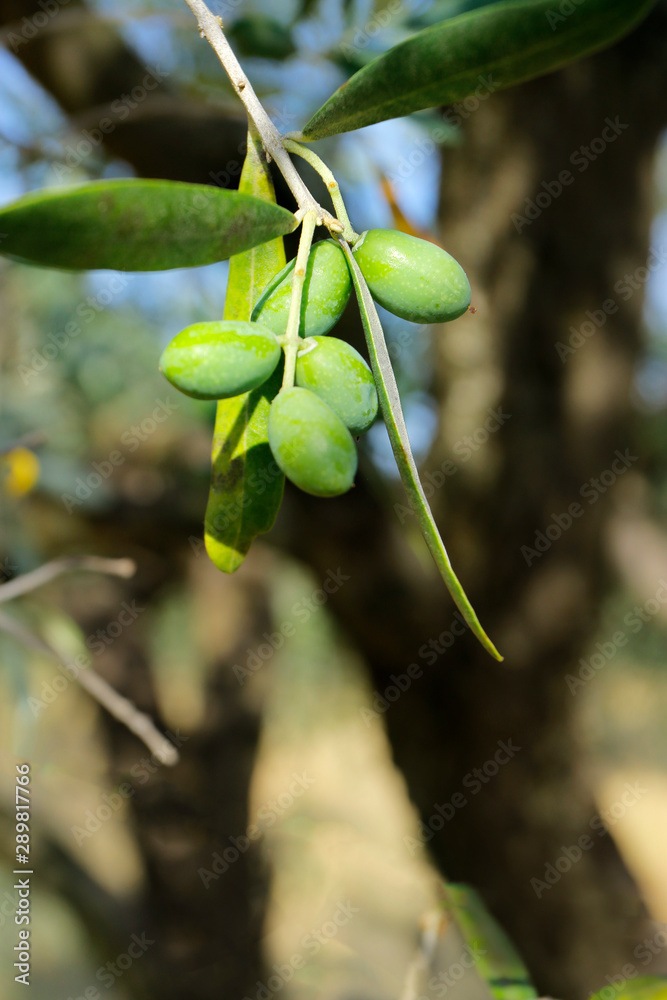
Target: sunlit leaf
(490, 48)
(390, 404)
(641, 988)
(246, 484)
(496, 959)
(137, 225)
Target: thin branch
(332, 184)
(44, 574)
(120, 707)
(210, 28)
(292, 339)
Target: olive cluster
(312, 424)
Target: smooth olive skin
(312, 446)
(326, 291)
(412, 278)
(338, 374)
(218, 360)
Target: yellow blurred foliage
(19, 471)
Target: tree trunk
(560, 422)
(203, 902)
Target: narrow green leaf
(496, 959)
(137, 225)
(640, 988)
(491, 48)
(246, 484)
(390, 404)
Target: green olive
(326, 290)
(312, 446)
(412, 278)
(218, 360)
(338, 374)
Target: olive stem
(28, 582)
(116, 704)
(210, 28)
(292, 339)
(332, 184)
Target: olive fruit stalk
(291, 337)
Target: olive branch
(117, 705)
(310, 214)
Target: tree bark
(562, 424)
(202, 905)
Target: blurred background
(344, 748)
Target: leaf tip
(226, 559)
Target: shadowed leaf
(641, 988)
(496, 959)
(246, 484)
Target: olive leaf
(489, 48)
(246, 484)
(637, 988)
(137, 225)
(390, 404)
(496, 959)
